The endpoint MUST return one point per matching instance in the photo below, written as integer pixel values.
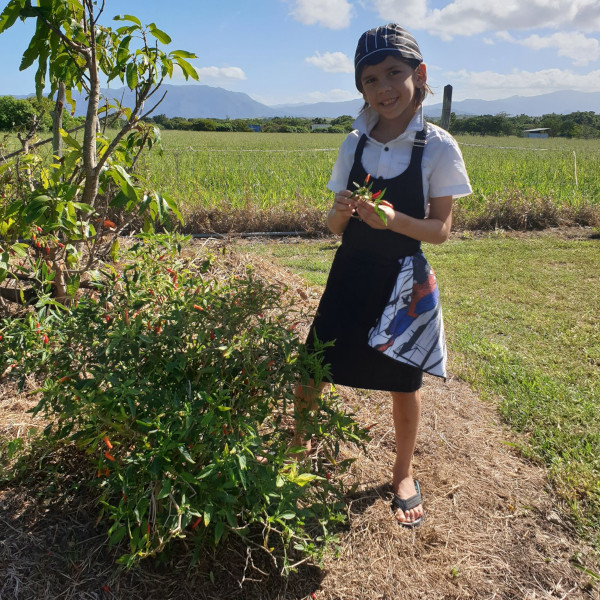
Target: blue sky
(291, 51)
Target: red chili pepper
(126, 317)
(47, 250)
(148, 529)
(212, 335)
(107, 442)
(108, 224)
(376, 195)
(293, 326)
(198, 307)
(196, 522)
(367, 178)
(107, 317)
(109, 456)
(63, 379)
(61, 245)
(386, 203)
(45, 339)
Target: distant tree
(15, 114)
(203, 125)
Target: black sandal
(404, 505)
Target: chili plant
(177, 385)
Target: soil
(493, 528)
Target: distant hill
(561, 103)
(203, 101)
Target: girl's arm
(341, 211)
(435, 229)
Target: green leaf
(188, 70)
(131, 18)
(69, 139)
(186, 454)
(208, 512)
(165, 490)
(117, 535)
(114, 251)
(287, 516)
(160, 35)
(132, 76)
(73, 285)
(9, 15)
(219, 530)
(183, 54)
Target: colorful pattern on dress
(411, 328)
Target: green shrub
(174, 378)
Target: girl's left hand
(366, 212)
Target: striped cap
(388, 38)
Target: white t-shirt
(443, 168)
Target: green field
(201, 169)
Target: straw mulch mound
(493, 528)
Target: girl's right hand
(344, 204)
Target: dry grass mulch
(493, 529)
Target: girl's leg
(406, 412)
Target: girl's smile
(389, 88)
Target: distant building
(540, 132)
(317, 126)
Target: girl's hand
(344, 204)
(366, 211)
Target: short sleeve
(343, 164)
(448, 176)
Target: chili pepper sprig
(364, 194)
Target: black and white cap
(387, 38)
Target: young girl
(421, 169)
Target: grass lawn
(522, 320)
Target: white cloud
(334, 14)
(576, 46)
(332, 62)
(471, 17)
(489, 85)
(223, 73)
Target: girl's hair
(375, 59)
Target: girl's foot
(407, 503)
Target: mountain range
(203, 101)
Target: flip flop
(404, 505)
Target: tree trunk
(90, 189)
(57, 114)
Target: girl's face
(389, 88)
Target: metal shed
(540, 132)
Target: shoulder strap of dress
(418, 145)
(359, 147)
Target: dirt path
(492, 529)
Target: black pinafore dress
(362, 277)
